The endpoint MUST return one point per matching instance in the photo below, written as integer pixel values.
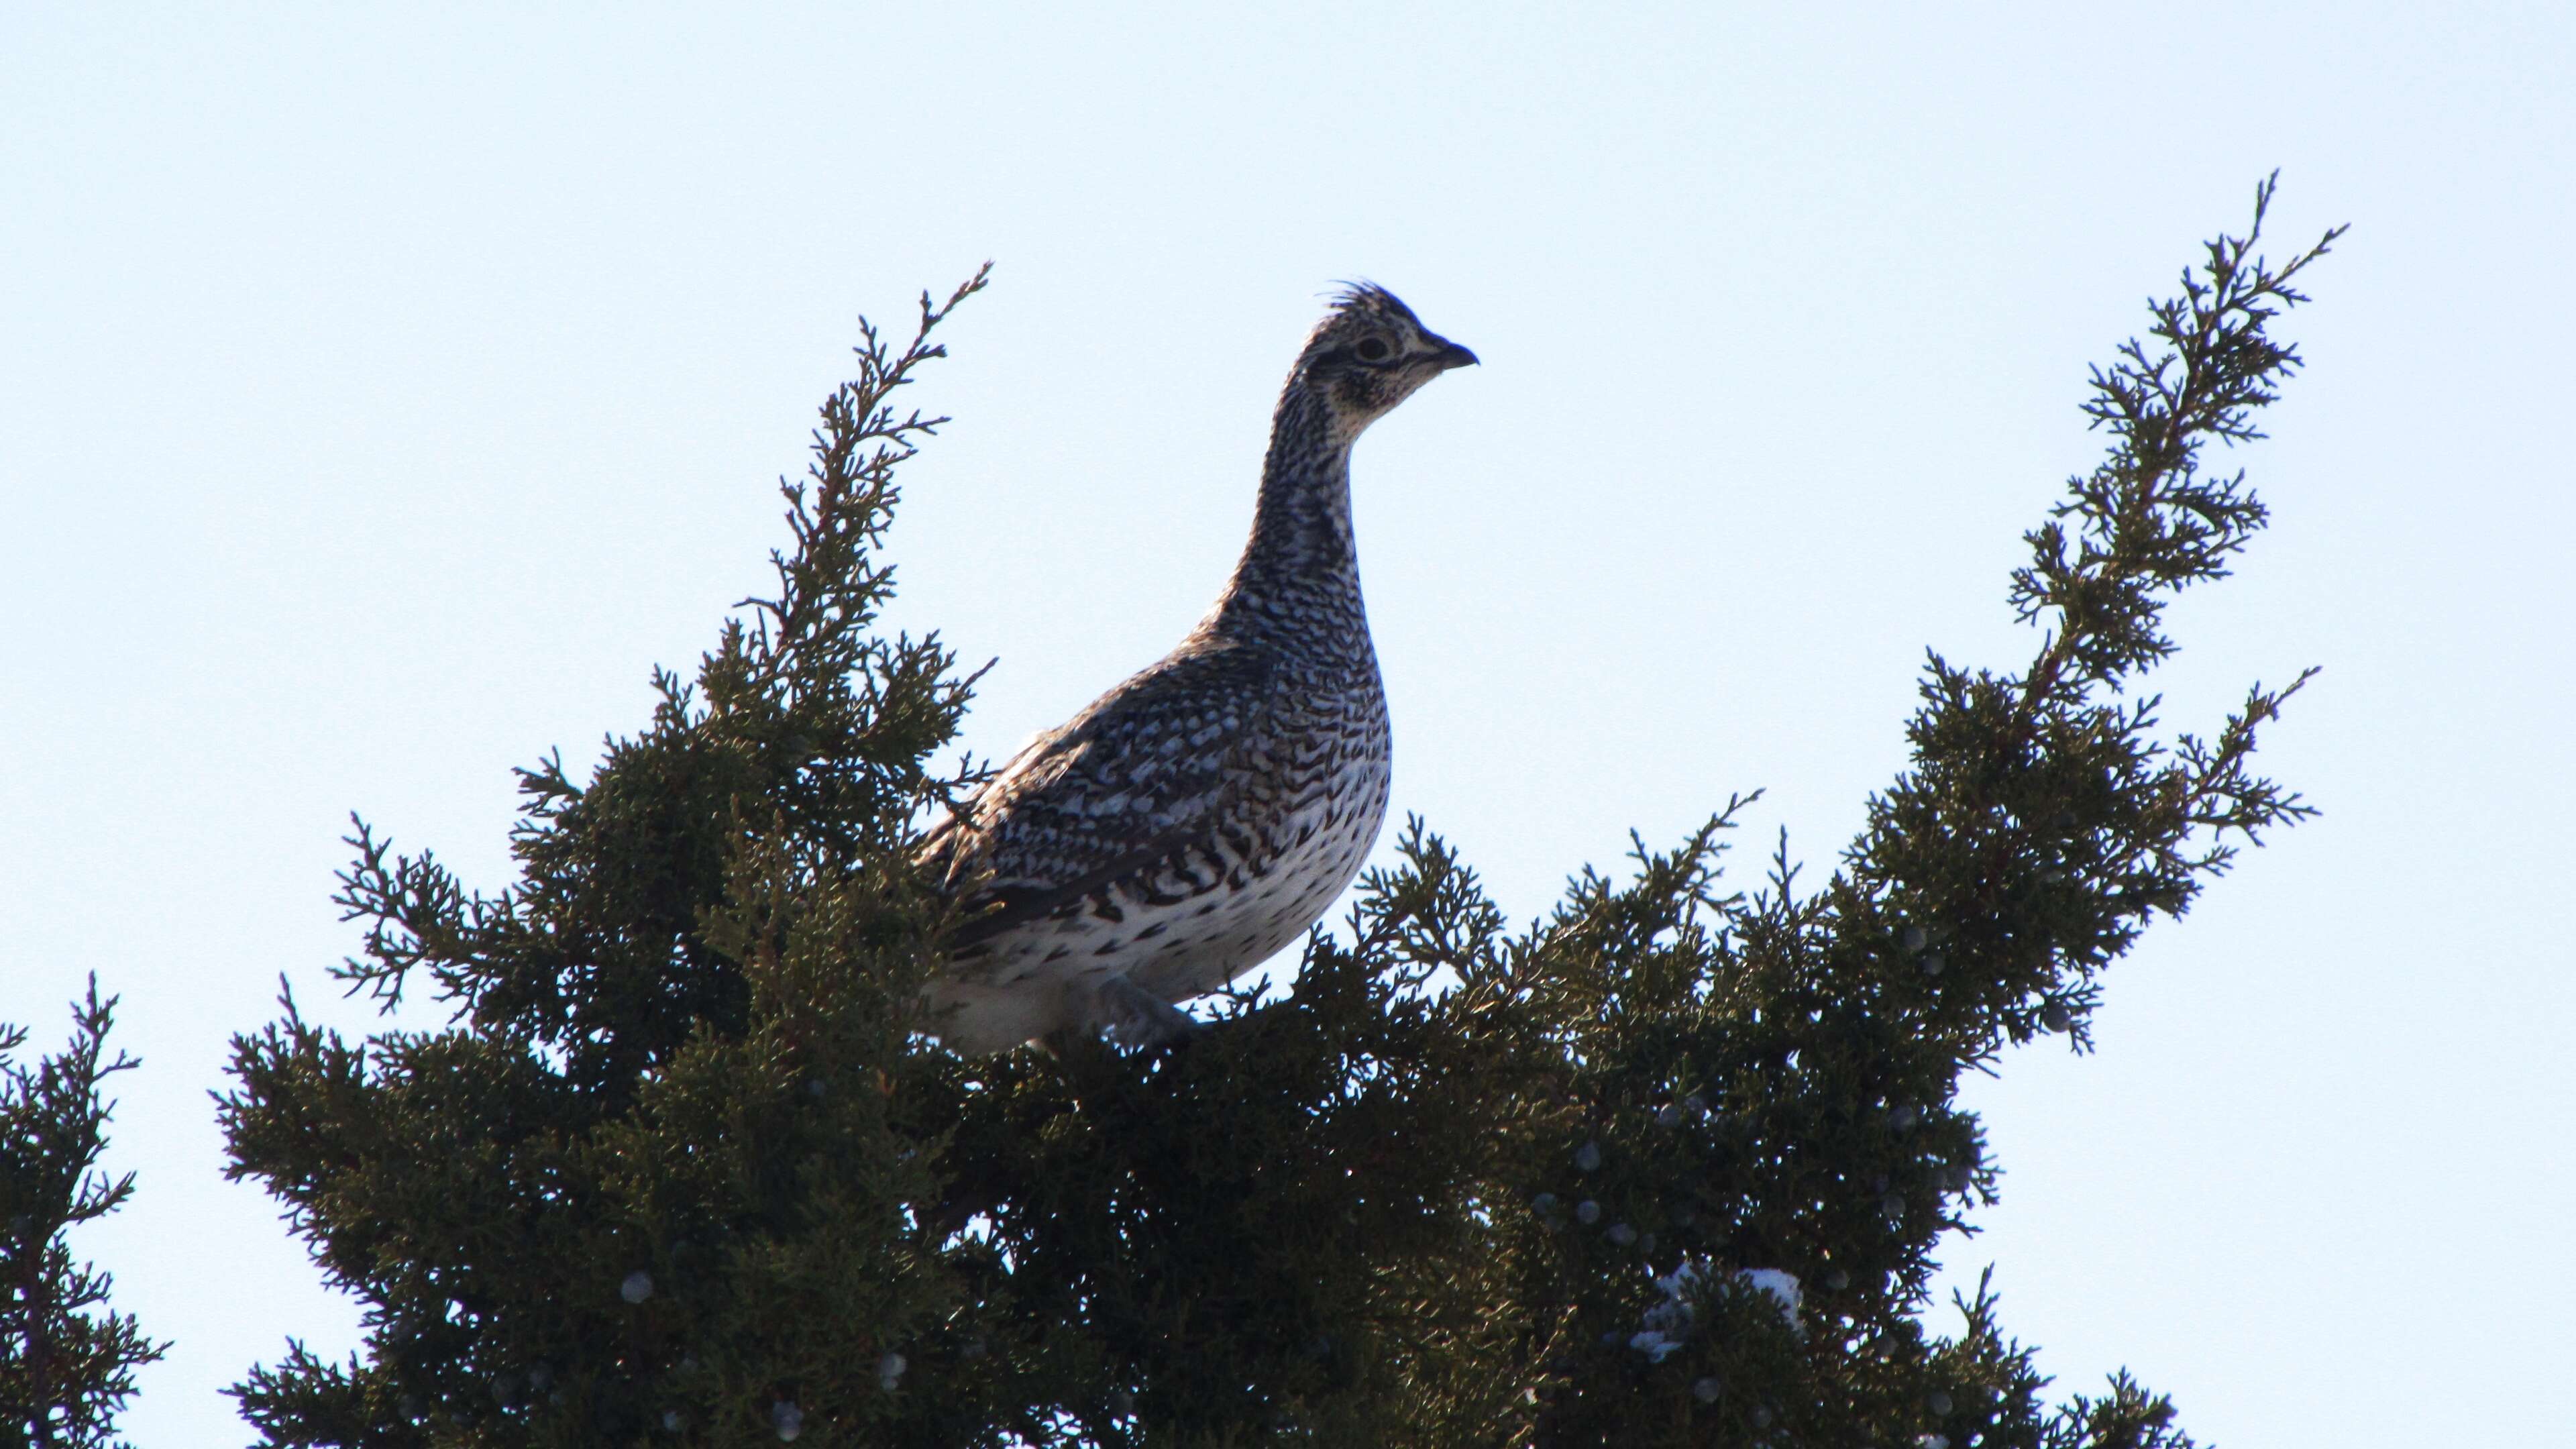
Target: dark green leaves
(681, 1054)
(67, 1361)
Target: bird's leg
(1136, 1017)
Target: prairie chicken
(1206, 812)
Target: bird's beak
(1452, 355)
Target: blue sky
(384, 392)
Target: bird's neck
(1301, 560)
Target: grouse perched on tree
(1203, 814)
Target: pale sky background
(384, 392)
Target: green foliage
(66, 1366)
(661, 1163)
(682, 1171)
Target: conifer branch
(67, 1360)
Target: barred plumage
(1206, 812)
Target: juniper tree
(67, 1359)
(1666, 1167)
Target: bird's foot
(1137, 1018)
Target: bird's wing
(1146, 768)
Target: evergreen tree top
(67, 1360)
(1666, 1167)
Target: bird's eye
(1373, 349)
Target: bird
(1208, 810)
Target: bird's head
(1370, 353)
